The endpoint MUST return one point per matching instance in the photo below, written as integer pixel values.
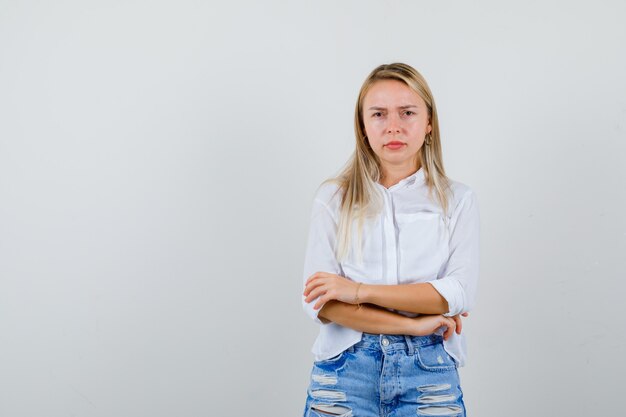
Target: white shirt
(407, 243)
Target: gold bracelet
(356, 297)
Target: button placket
(391, 267)
(389, 243)
(393, 234)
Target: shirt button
(385, 342)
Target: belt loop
(409, 345)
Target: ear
(429, 128)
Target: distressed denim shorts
(387, 375)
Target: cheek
(420, 129)
(374, 128)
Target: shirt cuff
(452, 291)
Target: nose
(393, 124)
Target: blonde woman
(391, 263)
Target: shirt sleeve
(320, 251)
(459, 281)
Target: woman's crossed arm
(373, 319)
(421, 298)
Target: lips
(394, 145)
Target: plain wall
(157, 167)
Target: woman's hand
(428, 324)
(328, 287)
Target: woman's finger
(314, 281)
(313, 284)
(315, 293)
(459, 324)
(317, 275)
(451, 326)
(323, 299)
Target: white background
(157, 167)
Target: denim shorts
(387, 375)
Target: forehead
(391, 93)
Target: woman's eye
(377, 114)
(409, 113)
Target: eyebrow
(408, 106)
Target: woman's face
(396, 121)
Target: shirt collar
(415, 179)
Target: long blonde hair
(357, 180)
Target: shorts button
(385, 342)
